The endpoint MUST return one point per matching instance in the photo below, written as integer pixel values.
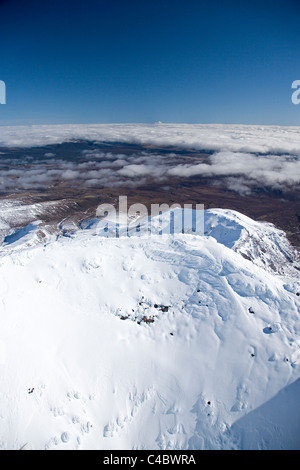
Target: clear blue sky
(193, 61)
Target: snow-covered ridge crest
(259, 242)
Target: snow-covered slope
(159, 342)
(261, 243)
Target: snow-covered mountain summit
(261, 243)
(155, 340)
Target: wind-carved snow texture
(218, 368)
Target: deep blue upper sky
(193, 61)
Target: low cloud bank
(243, 157)
(217, 137)
(247, 170)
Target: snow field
(84, 369)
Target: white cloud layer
(243, 157)
(218, 137)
